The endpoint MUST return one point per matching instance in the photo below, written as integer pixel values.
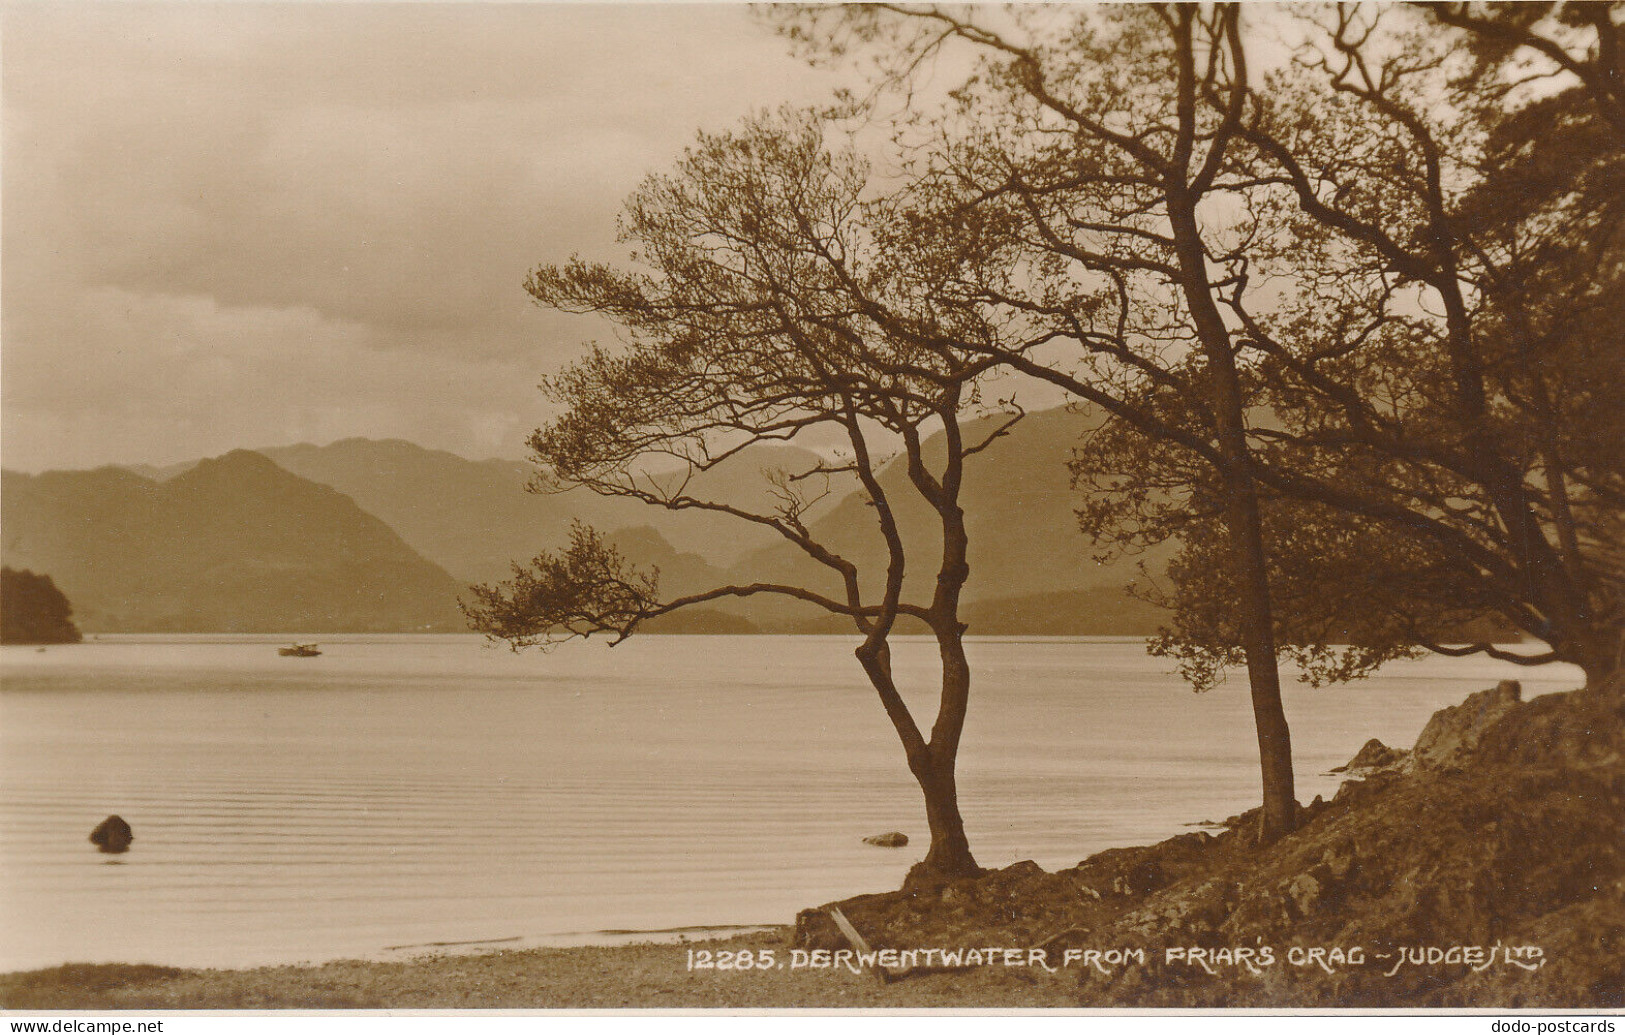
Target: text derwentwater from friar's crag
(1249, 959)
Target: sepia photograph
(717, 507)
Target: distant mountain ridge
(235, 544)
(1031, 570)
(475, 517)
(411, 527)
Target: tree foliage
(1411, 232)
(769, 300)
(1450, 253)
(584, 589)
(1095, 143)
(33, 610)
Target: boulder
(1304, 892)
(112, 835)
(1452, 735)
(1375, 755)
(895, 839)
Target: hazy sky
(248, 224)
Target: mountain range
(366, 535)
(234, 544)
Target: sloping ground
(1496, 879)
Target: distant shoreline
(92, 637)
(643, 975)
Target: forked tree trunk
(933, 768)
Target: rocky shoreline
(1484, 867)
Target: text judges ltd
(1249, 959)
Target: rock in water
(112, 835)
(895, 839)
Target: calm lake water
(402, 791)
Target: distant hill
(474, 517)
(162, 472)
(1032, 570)
(233, 544)
(680, 573)
(1076, 612)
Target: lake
(400, 792)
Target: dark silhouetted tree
(1100, 143)
(33, 610)
(1439, 344)
(766, 305)
(1410, 237)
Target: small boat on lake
(299, 650)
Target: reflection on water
(409, 791)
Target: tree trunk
(1601, 656)
(1280, 812)
(950, 851)
(1246, 531)
(933, 768)
(949, 854)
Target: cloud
(180, 376)
(209, 199)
